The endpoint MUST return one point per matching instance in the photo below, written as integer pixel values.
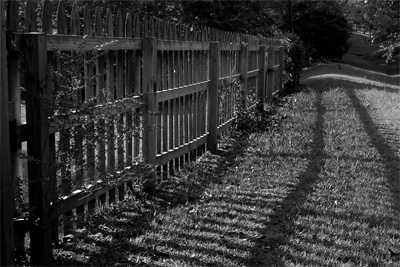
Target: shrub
(294, 60)
(323, 28)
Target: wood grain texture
(38, 104)
(213, 97)
(6, 198)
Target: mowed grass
(319, 187)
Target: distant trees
(380, 17)
(322, 27)
(383, 16)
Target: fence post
(40, 163)
(14, 95)
(270, 88)
(244, 64)
(6, 198)
(261, 78)
(281, 89)
(213, 111)
(150, 107)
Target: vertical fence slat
(137, 83)
(7, 238)
(64, 143)
(128, 90)
(100, 86)
(150, 105)
(120, 72)
(269, 74)
(89, 93)
(47, 27)
(244, 62)
(30, 17)
(213, 96)
(280, 76)
(261, 78)
(38, 112)
(78, 95)
(110, 81)
(14, 95)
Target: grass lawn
(319, 186)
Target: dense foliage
(294, 58)
(381, 18)
(251, 17)
(323, 29)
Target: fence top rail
(229, 47)
(63, 42)
(80, 43)
(171, 45)
(87, 43)
(254, 48)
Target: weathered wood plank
(100, 87)
(84, 43)
(7, 196)
(89, 93)
(30, 17)
(110, 93)
(150, 106)
(253, 73)
(87, 43)
(182, 150)
(269, 74)
(181, 91)
(137, 84)
(120, 73)
(261, 77)
(38, 107)
(128, 31)
(213, 97)
(244, 57)
(80, 197)
(47, 27)
(14, 94)
(75, 29)
(280, 75)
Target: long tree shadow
(267, 251)
(388, 155)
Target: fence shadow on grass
(268, 251)
(283, 219)
(388, 155)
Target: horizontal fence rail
(94, 99)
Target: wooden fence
(178, 85)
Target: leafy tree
(252, 17)
(381, 17)
(322, 27)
